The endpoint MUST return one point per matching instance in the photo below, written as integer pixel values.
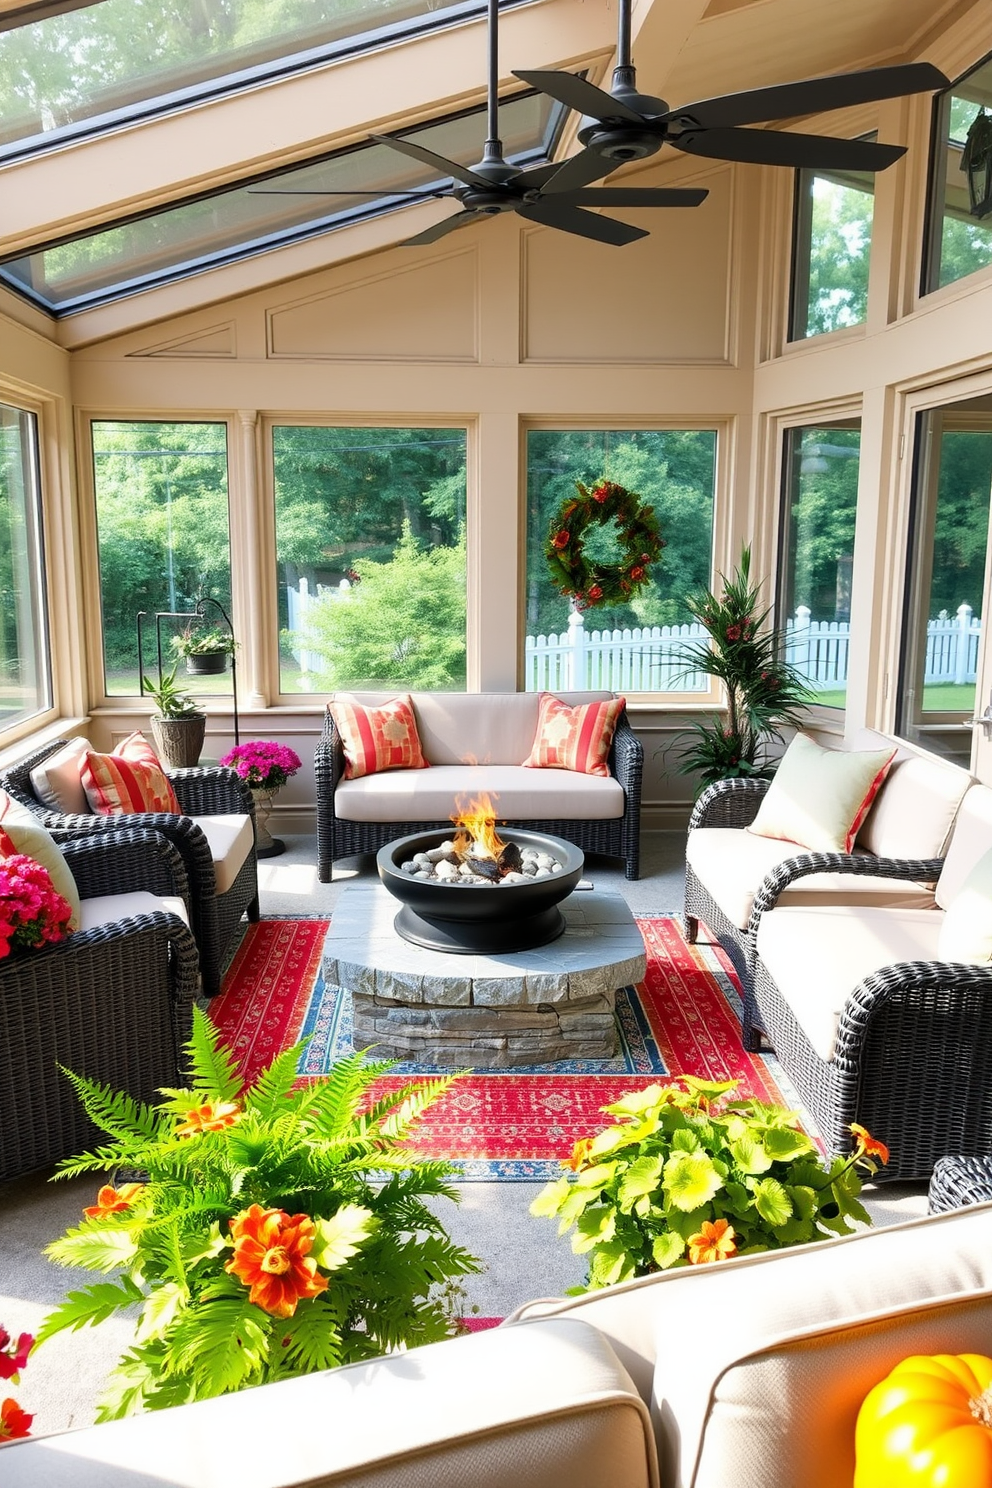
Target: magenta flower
(262, 763)
(31, 912)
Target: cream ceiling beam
(277, 123)
(659, 29)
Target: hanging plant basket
(207, 664)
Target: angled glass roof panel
(251, 218)
(109, 63)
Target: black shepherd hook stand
(198, 613)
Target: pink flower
(13, 1356)
(264, 764)
(31, 912)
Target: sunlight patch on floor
(288, 878)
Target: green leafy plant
(764, 692)
(203, 642)
(689, 1175)
(273, 1229)
(169, 698)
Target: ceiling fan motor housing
(624, 142)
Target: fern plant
(275, 1229)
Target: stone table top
(601, 949)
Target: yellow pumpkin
(928, 1424)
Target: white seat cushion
(231, 839)
(731, 864)
(816, 957)
(520, 794)
(104, 909)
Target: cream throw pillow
(966, 934)
(819, 798)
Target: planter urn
(180, 740)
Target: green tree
(402, 624)
(839, 252)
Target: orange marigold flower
(111, 1200)
(211, 1116)
(868, 1146)
(580, 1155)
(714, 1242)
(271, 1256)
(13, 1421)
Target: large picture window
(952, 484)
(162, 523)
(370, 544)
(25, 675)
(959, 241)
(819, 506)
(832, 248)
(633, 647)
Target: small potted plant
(205, 649)
(686, 1175)
(180, 726)
(265, 766)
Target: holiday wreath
(584, 580)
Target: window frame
(933, 217)
(800, 243)
(721, 557)
(225, 85)
(44, 521)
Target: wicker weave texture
(958, 1181)
(912, 1063)
(114, 1004)
(202, 791)
(615, 838)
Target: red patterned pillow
(127, 781)
(377, 739)
(576, 738)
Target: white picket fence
(646, 659)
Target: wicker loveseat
(904, 835)
(113, 1001)
(474, 743)
(871, 1020)
(215, 837)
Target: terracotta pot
(180, 740)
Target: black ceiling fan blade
(442, 229)
(779, 147)
(814, 95)
(631, 196)
(578, 171)
(436, 162)
(383, 192)
(575, 93)
(583, 224)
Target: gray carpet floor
(522, 1256)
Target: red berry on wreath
(638, 573)
(594, 593)
(561, 539)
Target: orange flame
(475, 820)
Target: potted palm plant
(180, 725)
(205, 650)
(764, 692)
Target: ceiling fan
(627, 125)
(552, 195)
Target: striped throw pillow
(375, 739)
(576, 738)
(129, 780)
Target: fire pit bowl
(478, 919)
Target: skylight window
(105, 64)
(210, 230)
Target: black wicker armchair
(113, 1003)
(216, 916)
(958, 1182)
(725, 803)
(616, 837)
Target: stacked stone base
(486, 1037)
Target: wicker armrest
(916, 870)
(212, 791)
(933, 977)
(122, 861)
(180, 830)
(626, 759)
(729, 803)
(186, 961)
(328, 761)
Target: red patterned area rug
(684, 1018)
